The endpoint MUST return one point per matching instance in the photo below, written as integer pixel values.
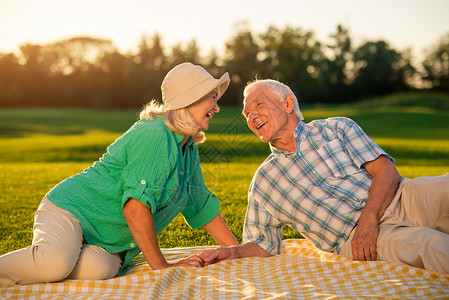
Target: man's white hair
(278, 88)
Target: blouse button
(176, 196)
(132, 245)
(142, 182)
(181, 173)
(175, 189)
(164, 215)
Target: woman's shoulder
(145, 133)
(156, 123)
(149, 127)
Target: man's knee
(420, 247)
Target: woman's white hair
(179, 121)
(278, 88)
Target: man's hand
(364, 242)
(383, 188)
(215, 255)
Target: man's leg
(417, 216)
(420, 247)
(54, 251)
(414, 229)
(425, 202)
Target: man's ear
(289, 103)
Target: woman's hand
(192, 261)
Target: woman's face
(204, 109)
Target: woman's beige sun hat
(187, 83)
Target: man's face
(265, 115)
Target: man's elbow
(386, 168)
(394, 174)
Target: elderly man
(329, 181)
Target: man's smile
(261, 125)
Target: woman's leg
(54, 251)
(96, 263)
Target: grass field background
(41, 147)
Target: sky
(402, 23)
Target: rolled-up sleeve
(202, 205)
(358, 144)
(206, 207)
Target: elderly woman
(92, 225)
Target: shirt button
(175, 189)
(142, 182)
(132, 245)
(181, 173)
(176, 196)
(164, 215)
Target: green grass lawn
(40, 147)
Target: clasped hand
(191, 261)
(206, 258)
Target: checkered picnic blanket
(300, 272)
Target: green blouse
(145, 163)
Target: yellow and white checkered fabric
(300, 272)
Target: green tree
(146, 70)
(36, 75)
(114, 67)
(380, 70)
(436, 65)
(181, 54)
(335, 70)
(76, 63)
(10, 79)
(295, 58)
(241, 61)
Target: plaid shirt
(319, 191)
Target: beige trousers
(57, 252)
(414, 229)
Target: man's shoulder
(261, 178)
(332, 121)
(331, 126)
(266, 165)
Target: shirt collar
(178, 137)
(300, 133)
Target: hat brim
(193, 95)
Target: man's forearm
(383, 188)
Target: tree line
(87, 71)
